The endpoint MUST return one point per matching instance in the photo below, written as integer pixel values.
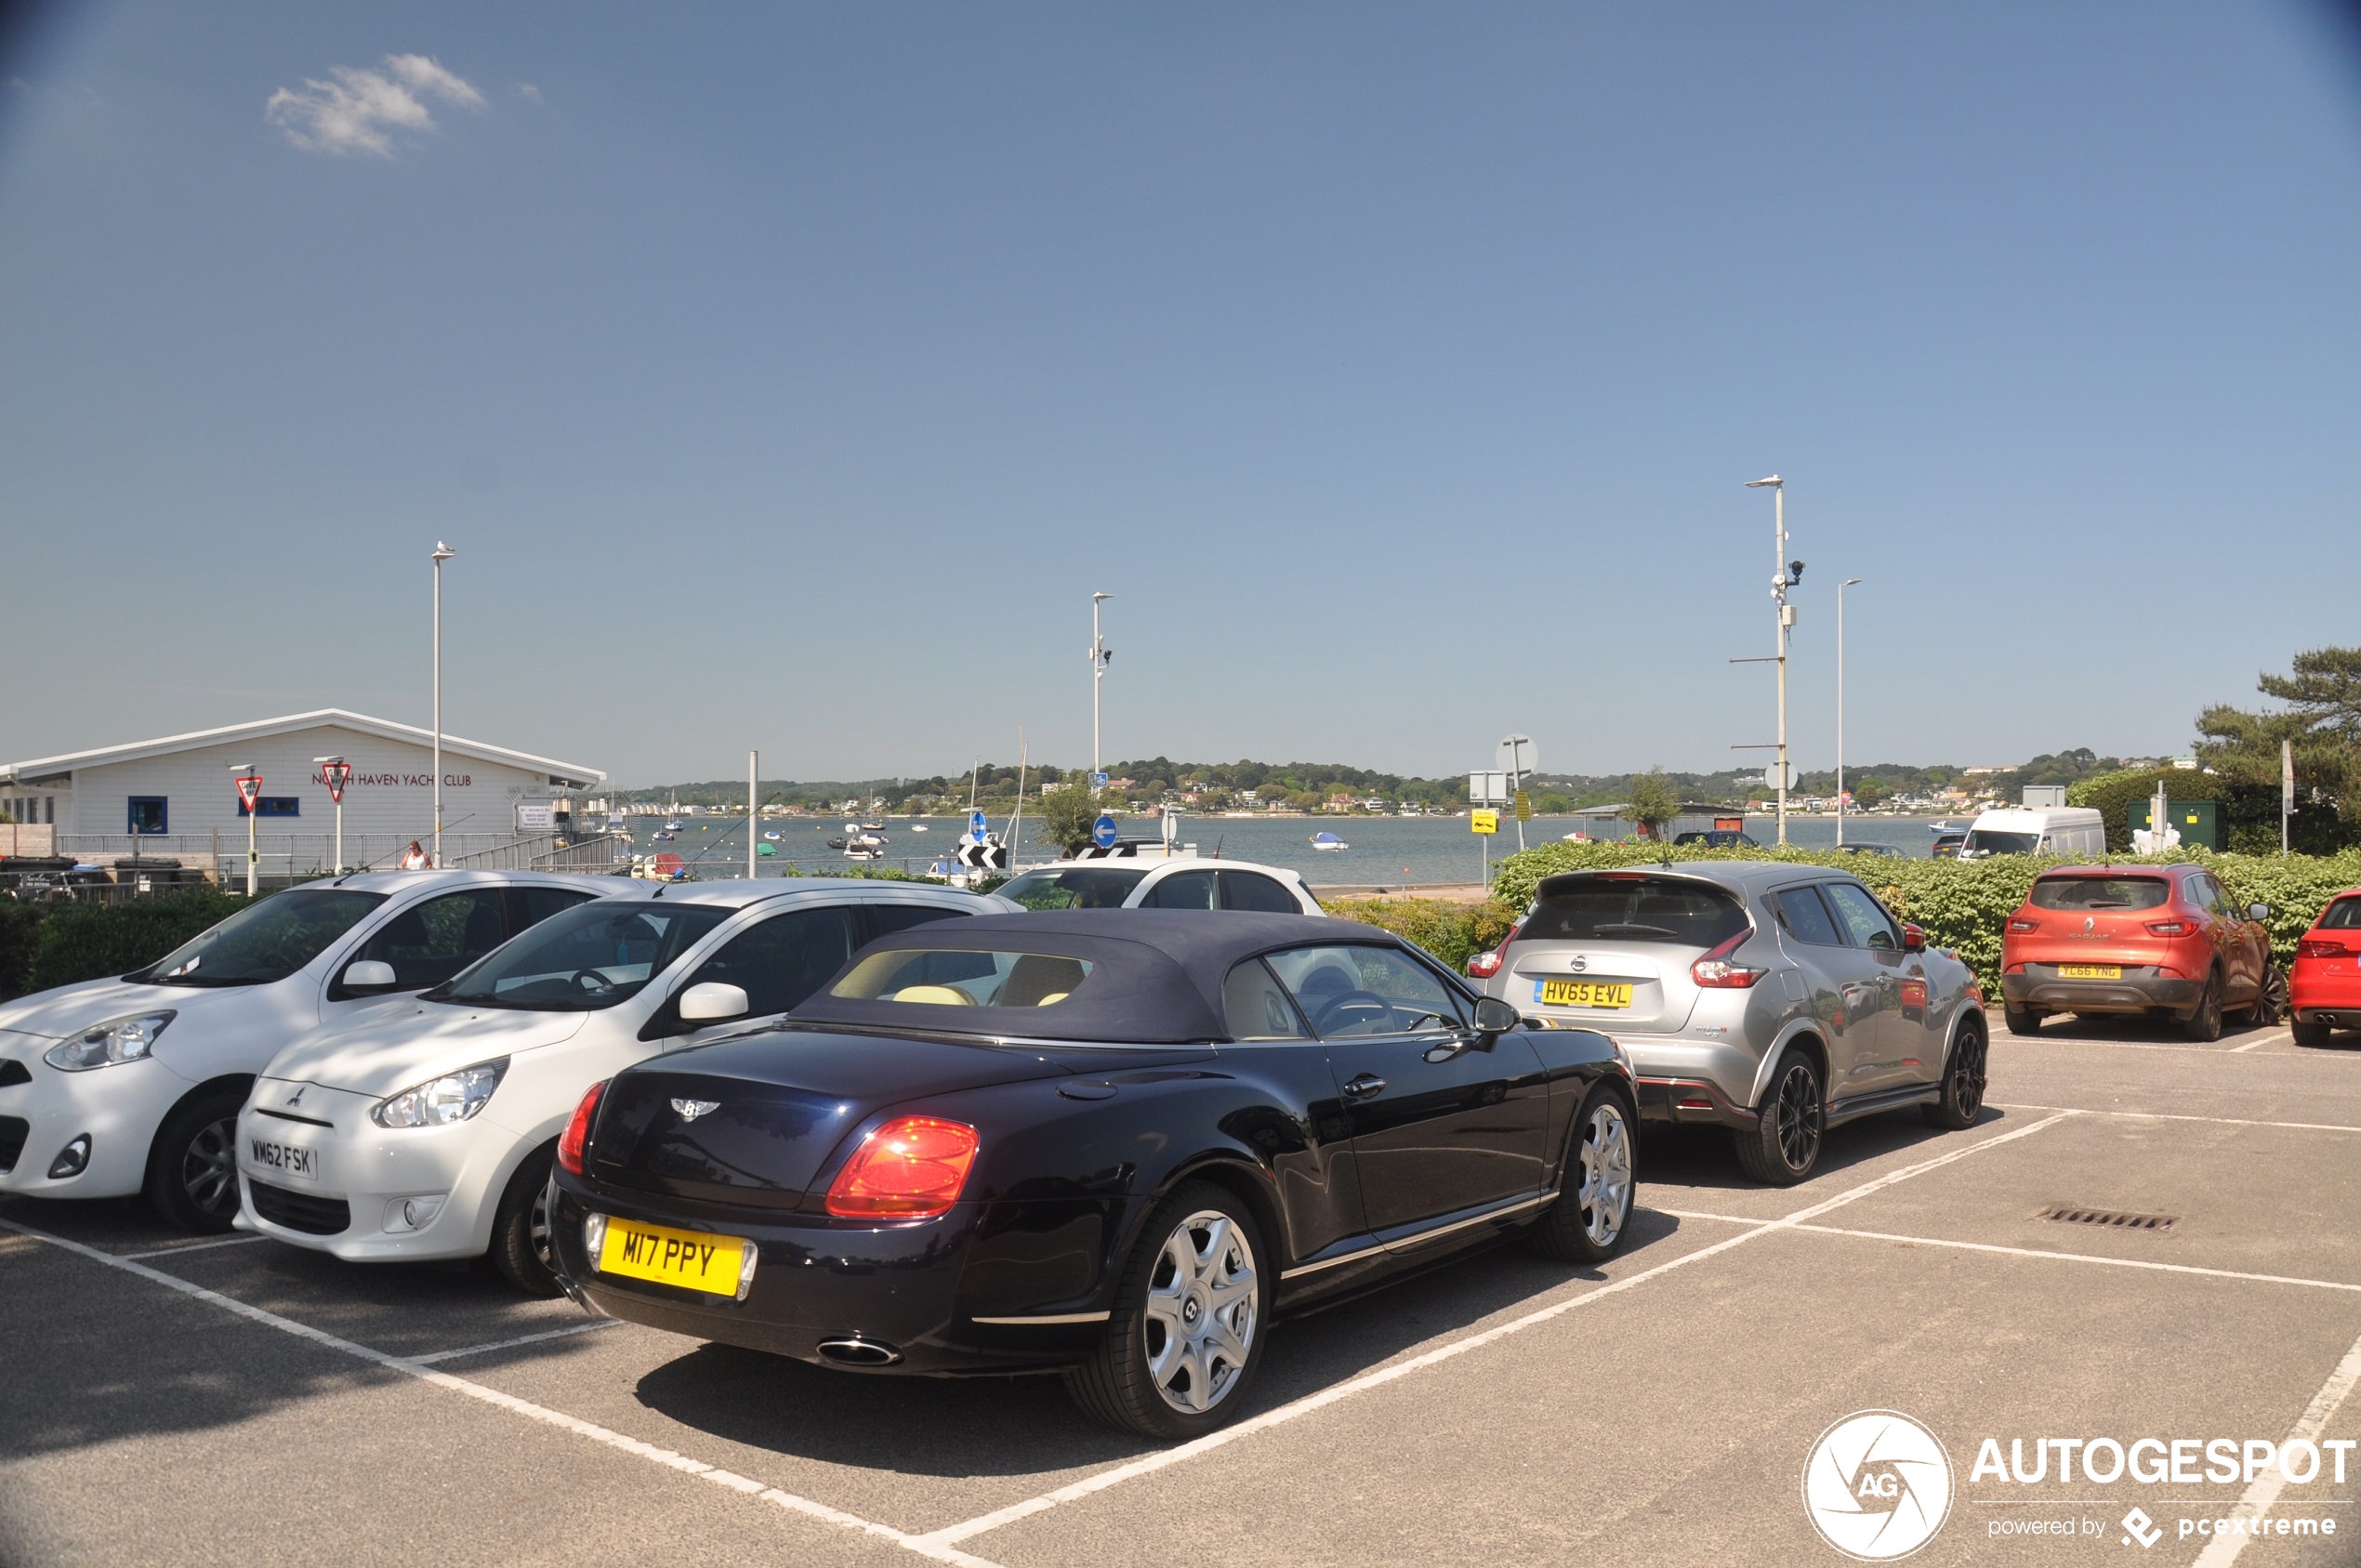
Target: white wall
(392, 790)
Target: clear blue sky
(788, 376)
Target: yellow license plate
(1584, 994)
(2090, 971)
(688, 1258)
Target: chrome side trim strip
(1501, 1213)
(1051, 1318)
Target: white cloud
(528, 92)
(356, 112)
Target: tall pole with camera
(443, 552)
(1785, 575)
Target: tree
(1654, 802)
(2322, 721)
(1068, 815)
(1869, 791)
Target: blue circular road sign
(1102, 833)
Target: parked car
(1179, 883)
(1776, 1000)
(1717, 838)
(128, 1085)
(1948, 841)
(426, 1131)
(2035, 830)
(2324, 986)
(1114, 1143)
(2164, 942)
(1887, 851)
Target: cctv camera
(1795, 572)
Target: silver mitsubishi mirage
(1772, 999)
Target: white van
(2073, 831)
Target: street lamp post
(754, 811)
(1100, 654)
(1847, 582)
(443, 552)
(1783, 577)
(336, 772)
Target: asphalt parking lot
(170, 1401)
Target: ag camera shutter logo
(1877, 1486)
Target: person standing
(414, 857)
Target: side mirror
(370, 974)
(2257, 912)
(1914, 939)
(1493, 1015)
(710, 1000)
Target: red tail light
(910, 1168)
(2020, 926)
(1483, 966)
(2168, 927)
(1715, 972)
(2322, 947)
(576, 1137)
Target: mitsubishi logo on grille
(1578, 964)
(692, 1109)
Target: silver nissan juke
(1776, 1000)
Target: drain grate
(2112, 1219)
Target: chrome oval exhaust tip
(857, 1351)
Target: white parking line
(412, 1368)
(952, 1535)
(2171, 1117)
(571, 1329)
(2265, 1491)
(2274, 1037)
(189, 1247)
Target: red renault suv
(2159, 940)
(2325, 986)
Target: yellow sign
(690, 1259)
(1484, 822)
(1525, 806)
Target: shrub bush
(77, 942)
(1453, 932)
(1964, 905)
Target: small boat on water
(1328, 841)
(667, 832)
(671, 824)
(861, 842)
(917, 827)
(772, 834)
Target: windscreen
(264, 941)
(584, 960)
(1662, 909)
(2343, 916)
(2101, 893)
(1990, 841)
(964, 979)
(1081, 887)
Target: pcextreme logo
(1877, 1485)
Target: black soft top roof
(1156, 979)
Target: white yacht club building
(178, 795)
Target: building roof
(261, 730)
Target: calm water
(1382, 849)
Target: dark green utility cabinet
(2193, 818)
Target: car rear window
(1663, 909)
(2101, 893)
(2343, 916)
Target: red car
(2325, 984)
(2159, 940)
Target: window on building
(275, 806)
(148, 814)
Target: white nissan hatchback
(426, 1131)
(132, 1085)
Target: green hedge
(46, 945)
(2246, 814)
(1453, 932)
(1965, 904)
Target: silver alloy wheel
(536, 1226)
(1203, 1311)
(1605, 1192)
(209, 1168)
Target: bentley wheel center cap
(1190, 1310)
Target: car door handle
(1362, 1086)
